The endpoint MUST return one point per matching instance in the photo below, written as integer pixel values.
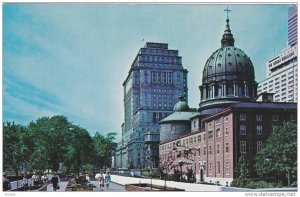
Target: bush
(246, 183)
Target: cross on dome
(227, 10)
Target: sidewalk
(113, 187)
(193, 187)
(62, 185)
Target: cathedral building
(231, 120)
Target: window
(258, 117)
(210, 134)
(242, 117)
(259, 130)
(243, 146)
(293, 117)
(209, 150)
(274, 128)
(226, 119)
(259, 145)
(210, 168)
(226, 131)
(243, 129)
(275, 118)
(218, 149)
(226, 148)
(218, 121)
(204, 166)
(218, 133)
(204, 136)
(195, 139)
(204, 150)
(199, 138)
(219, 167)
(227, 167)
(199, 152)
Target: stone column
(234, 88)
(246, 88)
(204, 92)
(213, 91)
(224, 90)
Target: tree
(243, 167)
(104, 148)
(50, 136)
(80, 148)
(278, 158)
(13, 149)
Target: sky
(71, 58)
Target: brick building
(231, 119)
(221, 138)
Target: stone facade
(155, 80)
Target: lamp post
(180, 162)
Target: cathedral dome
(228, 76)
(181, 105)
(228, 63)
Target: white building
(282, 76)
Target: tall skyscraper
(292, 25)
(281, 70)
(155, 80)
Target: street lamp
(180, 162)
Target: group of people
(103, 181)
(38, 180)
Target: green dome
(228, 76)
(228, 63)
(181, 105)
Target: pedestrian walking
(35, 178)
(44, 178)
(107, 180)
(101, 181)
(6, 183)
(25, 182)
(55, 182)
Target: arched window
(209, 92)
(219, 90)
(229, 89)
(241, 90)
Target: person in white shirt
(35, 178)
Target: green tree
(243, 167)
(278, 158)
(79, 150)
(104, 148)
(50, 142)
(13, 148)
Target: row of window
(259, 117)
(159, 52)
(160, 59)
(243, 146)
(218, 164)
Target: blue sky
(71, 59)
